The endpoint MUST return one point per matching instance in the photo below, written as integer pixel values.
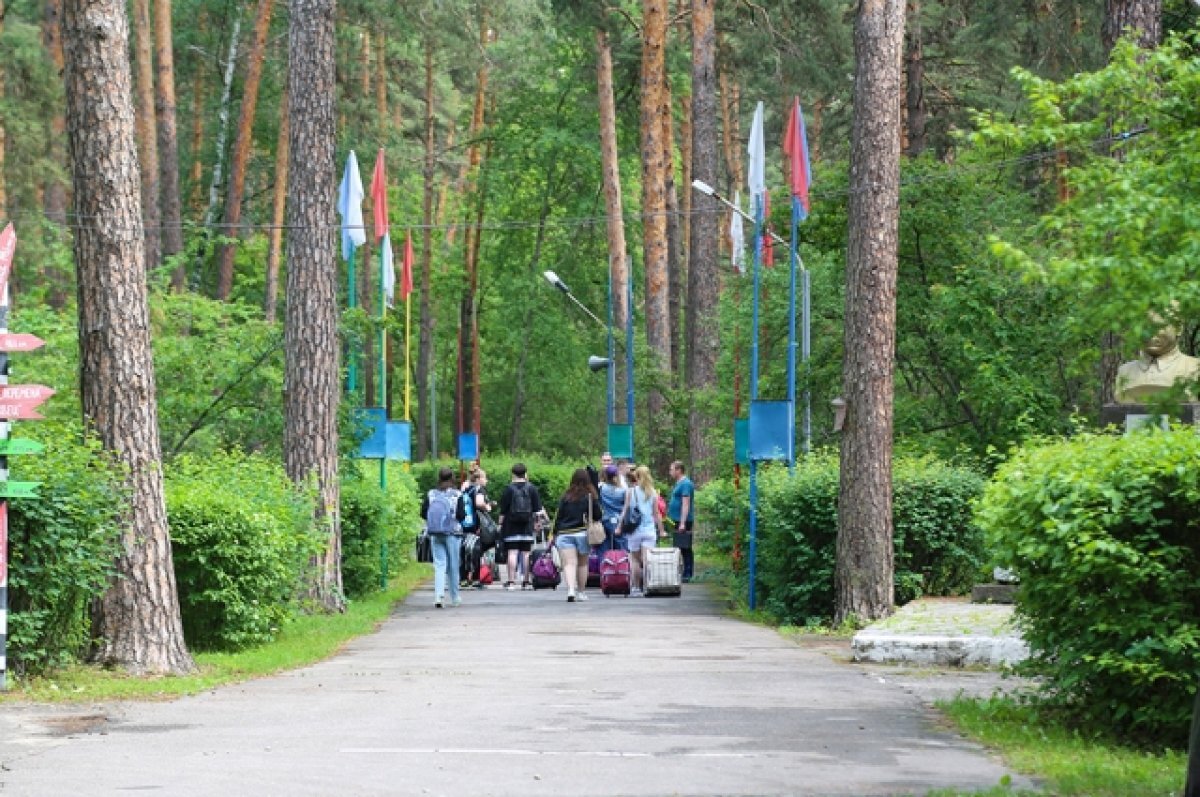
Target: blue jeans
(446, 548)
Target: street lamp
(708, 190)
(554, 280)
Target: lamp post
(553, 279)
(708, 190)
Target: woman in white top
(642, 494)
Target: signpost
(17, 402)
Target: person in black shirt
(520, 505)
(570, 532)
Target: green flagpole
(383, 551)
(351, 302)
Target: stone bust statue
(1161, 365)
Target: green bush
(938, 548)
(372, 519)
(550, 478)
(62, 547)
(1103, 532)
(241, 538)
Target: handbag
(424, 547)
(633, 518)
(595, 529)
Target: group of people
(621, 496)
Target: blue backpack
(466, 509)
(440, 518)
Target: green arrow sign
(20, 445)
(19, 489)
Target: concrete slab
(518, 694)
(941, 632)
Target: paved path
(517, 694)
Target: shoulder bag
(595, 529)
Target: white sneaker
(581, 596)
(635, 593)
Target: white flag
(389, 270)
(350, 197)
(756, 174)
(737, 236)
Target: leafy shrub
(372, 519)
(938, 549)
(550, 478)
(241, 537)
(1103, 531)
(62, 547)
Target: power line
(952, 173)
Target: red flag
(8, 245)
(406, 267)
(795, 146)
(379, 197)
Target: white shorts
(642, 538)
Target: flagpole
(383, 545)
(351, 302)
(791, 364)
(753, 552)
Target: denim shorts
(642, 538)
(578, 541)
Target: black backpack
(520, 509)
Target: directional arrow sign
(22, 410)
(35, 393)
(20, 445)
(19, 489)
(20, 342)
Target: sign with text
(20, 341)
(20, 445)
(19, 489)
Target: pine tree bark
(168, 137)
(278, 206)
(618, 261)
(863, 575)
(675, 278)
(147, 131)
(55, 194)
(196, 175)
(731, 136)
(425, 342)
(654, 200)
(312, 383)
(915, 107)
(1142, 17)
(704, 280)
(3, 134)
(241, 146)
(137, 620)
(468, 328)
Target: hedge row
(939, 549)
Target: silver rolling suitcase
(664, 572)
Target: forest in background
(503, 96)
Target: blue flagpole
(791, 364)
(805, 351)
(629, 348)
(612, 363)
(351, 302)
(753, 553)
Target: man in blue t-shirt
(682, 512)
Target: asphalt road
(517, 693)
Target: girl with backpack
(577, 508)
(644, 497)
(520, 506)
(445, 536)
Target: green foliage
(1125, 242)
(373, 519)
(551, 478)
(241, 537)
(1103, 531)
(62, 546)
(938, 548)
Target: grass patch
(305, 640)
(1066, 762)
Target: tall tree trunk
(381, 102)
(425, 342)
(56, 190)
(704, 279)
(1143, 17)
(731, 136)
(3, 135)
(814, 130)
(915, 109)
(468, 379)
(654, 201)
(196, 175)
(241, 146)
(147, 133)
(610, 166)
(137, 621)
(278, 205)
(863, 575)
(675, 279)
(168, 138)
(214, 183)
(312, 382)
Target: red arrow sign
(23, 393)
(20, 411)
(8, 244)
(22, 341)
